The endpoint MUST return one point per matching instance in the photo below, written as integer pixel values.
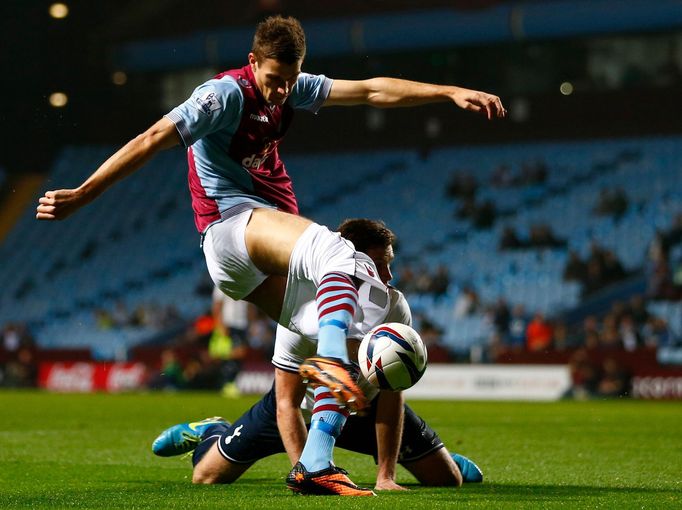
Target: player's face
(382, 257)
(275, 80)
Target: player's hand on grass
(479, 102)
(388, 485)
(59, 204)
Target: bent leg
(269, 296)
(270, 239)
(435, 469)
(234, 449)
(214, 468)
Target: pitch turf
(93, 451)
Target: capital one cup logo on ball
(392, 356)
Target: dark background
(75, 55)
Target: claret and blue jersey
(232, 135)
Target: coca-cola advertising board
(77, 376)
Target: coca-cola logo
(77, 377)
(125, 377)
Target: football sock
(337, 299)
(327, 421)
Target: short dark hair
(366, 234)
(279, 38)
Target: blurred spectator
(655, 333)
(592, 340)
(561, 339)
(575, 269)
(407, 280)
(629, 333)
(203, 326)
(423, 280)
(533, 172)
(169, 376)
(603, 268)
(103, 319)
(591, 324)
(542, 236)
(614, 381)
(660, 283)
(595, 277)
(466, 303)
(673, 236)
(611, 202)
(202, 373)
(462, 184)
(584, 375)
(22, 370)
(228, 343)
(637, 308)
(618, 310)
(509, 239)
(230, 317)
(610, 337)
(432, 336)
(516, 339)
(539, 334)
(120, 316)
(613, 270)
(440, 281)
(502, 176)
(16, 335)
(482, 215)
(467, 210)
(501, 316)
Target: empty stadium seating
(137, 243)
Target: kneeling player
(275, 424)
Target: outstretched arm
(59, 204)
(392, 92)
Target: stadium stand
(142, 249)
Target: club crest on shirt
(244, 83)
(208, 103)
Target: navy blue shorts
(255, 436)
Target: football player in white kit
(390, 431)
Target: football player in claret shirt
(243, 201)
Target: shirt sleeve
(214, 105)
(400, 309)
(310, 92)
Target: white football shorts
(227, 259)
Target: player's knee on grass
(213, 468)
(437, 469)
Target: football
(392, 356)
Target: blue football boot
(471, 473)
(183, 437)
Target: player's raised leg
(314, 254)
(337, 299)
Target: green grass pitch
(93, 451)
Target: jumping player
(390, 431)
(242, 197)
